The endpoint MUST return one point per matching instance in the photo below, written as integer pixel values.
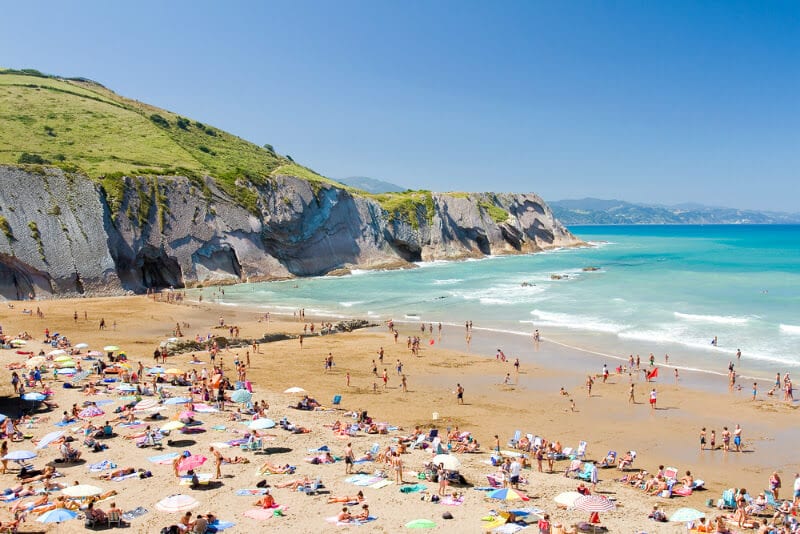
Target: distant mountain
(371, 185)
(599, 211)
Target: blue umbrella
(178, 400)
(19, 456)
(57, 516)
(260, 424)
(241, 395)
(49, 438)
(3, 417)
(34, 396)
(126, 387)
(156, 370)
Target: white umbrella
(684, 515)
(81, 490)
(145, 404)
(261, 424)
(450, 462)
(57, 352)
(49, 438)
(567, 498)
(36, 361)
(82, 346)
(177, 503)
(295, 389)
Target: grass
(81, 125)
(408, 206)
(498, 214)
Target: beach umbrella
(111, 348)
(3, 417)
(507, 494)
(594, 503)
(90, 411)
(295, 389)
(173, 425)
(146, 404)
(177, 503)
(261, 424)
(18, 342)
(178, 400)
(95, 353)
(450, 462)
(126, 387)
(49, 438)
(191, 462)
(36, 361)
(684, 515)
(66, 371)
(421, 523)
(58, 352)
(80, 376)
(259, 513)
(173, 371)
(156, 370)
(186, 414)
(34, 396)
(172, 340)
(81, 490)
(66, 365)
(19, 456)
(241, 395)
(82, 346)
(567, 498)
(63, 358)
(57, 515)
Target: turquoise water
(660, 289)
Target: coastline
(531, 404)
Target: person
(217, 462)
(589, 383)
(358, 497)
(3, 452)
(657, 514)
(544, 524)
(267, 501)
(687, 480)
(185, 523)
(713, 440)
(582, 489)
(775, 483)
(348, 459)
(364, 515)
(702, 438)
(344, 516)
(653, 399)
(514, 473)
(200, 525)
(460, 393)
(737, 438)
(726, 439)
(631, 399)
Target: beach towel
(368, 481)
(125, 477)
(353, 523)
(132, 425)
(251, 492)
(221, 525)
(102, 466)
(324, 448)
(219, 427)
(133, 514)
(450, 501)
(164, 459)
(484, 488)
(413, 488)
(202, 478)
(381, 484)
(353, 479)
(66, 423)
(204, 408)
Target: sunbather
(358, 497)
(236, 460)
(625, 461)
(275, 469)
(267, 501)
(117, 473)
(344, 516)
(364, 515)
(294, 484)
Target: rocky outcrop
(63, 235)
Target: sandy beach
(530, 402)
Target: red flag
(652, 374)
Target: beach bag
(447, 515)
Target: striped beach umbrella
(594, 503)
(507, 494)
(177, 503)
(90, 411)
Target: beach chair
(536, 442)
(586, 474)
(337, 400)
(771, 501)
(667, 493)
(434, 433)
(671, 473)
(494, 481)
(728, 499)
(515, 439)
(573, 467)
(114, 519)
(609, 460)
(564, 454)
(375, 449)
(581, 452)
(418, 442)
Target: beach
(530, 402)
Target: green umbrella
(684, 515)
(421, 523)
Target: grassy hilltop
(81, 126)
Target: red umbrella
(191, 462)
(594, 503)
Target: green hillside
(80, 125)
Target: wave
(447, 281)
(716, 319)
(790, 329)
(350, 304)
(576, 322)
(503, 294)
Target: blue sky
(643, 101)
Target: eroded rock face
(61, 235)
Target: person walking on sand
(397, 464)
(404, 384)
(653, 399)
(217, 462)
(385, 378)
(460, 393)
(589, 384)
(712, 442)
(631, 394)
(703, 438)
(347, 379)
(348, 459)
(737, 438)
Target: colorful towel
(251, 492)
(66, 423)
(219, 427)
(413, 488)
(133, 514)
(102, 466)
(164, 458)
(125, 477)
(221, 525)
(381, 484)
(450, 501)
(203, 478)
(353, 523)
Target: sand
(531, 403)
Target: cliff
(65, 234)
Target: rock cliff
(65, 235)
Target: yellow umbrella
(173, 371)
(173, 425)
(64, 358)
(36, 361)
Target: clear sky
(642, 100)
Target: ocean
(656, 289)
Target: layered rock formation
(63, 235)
